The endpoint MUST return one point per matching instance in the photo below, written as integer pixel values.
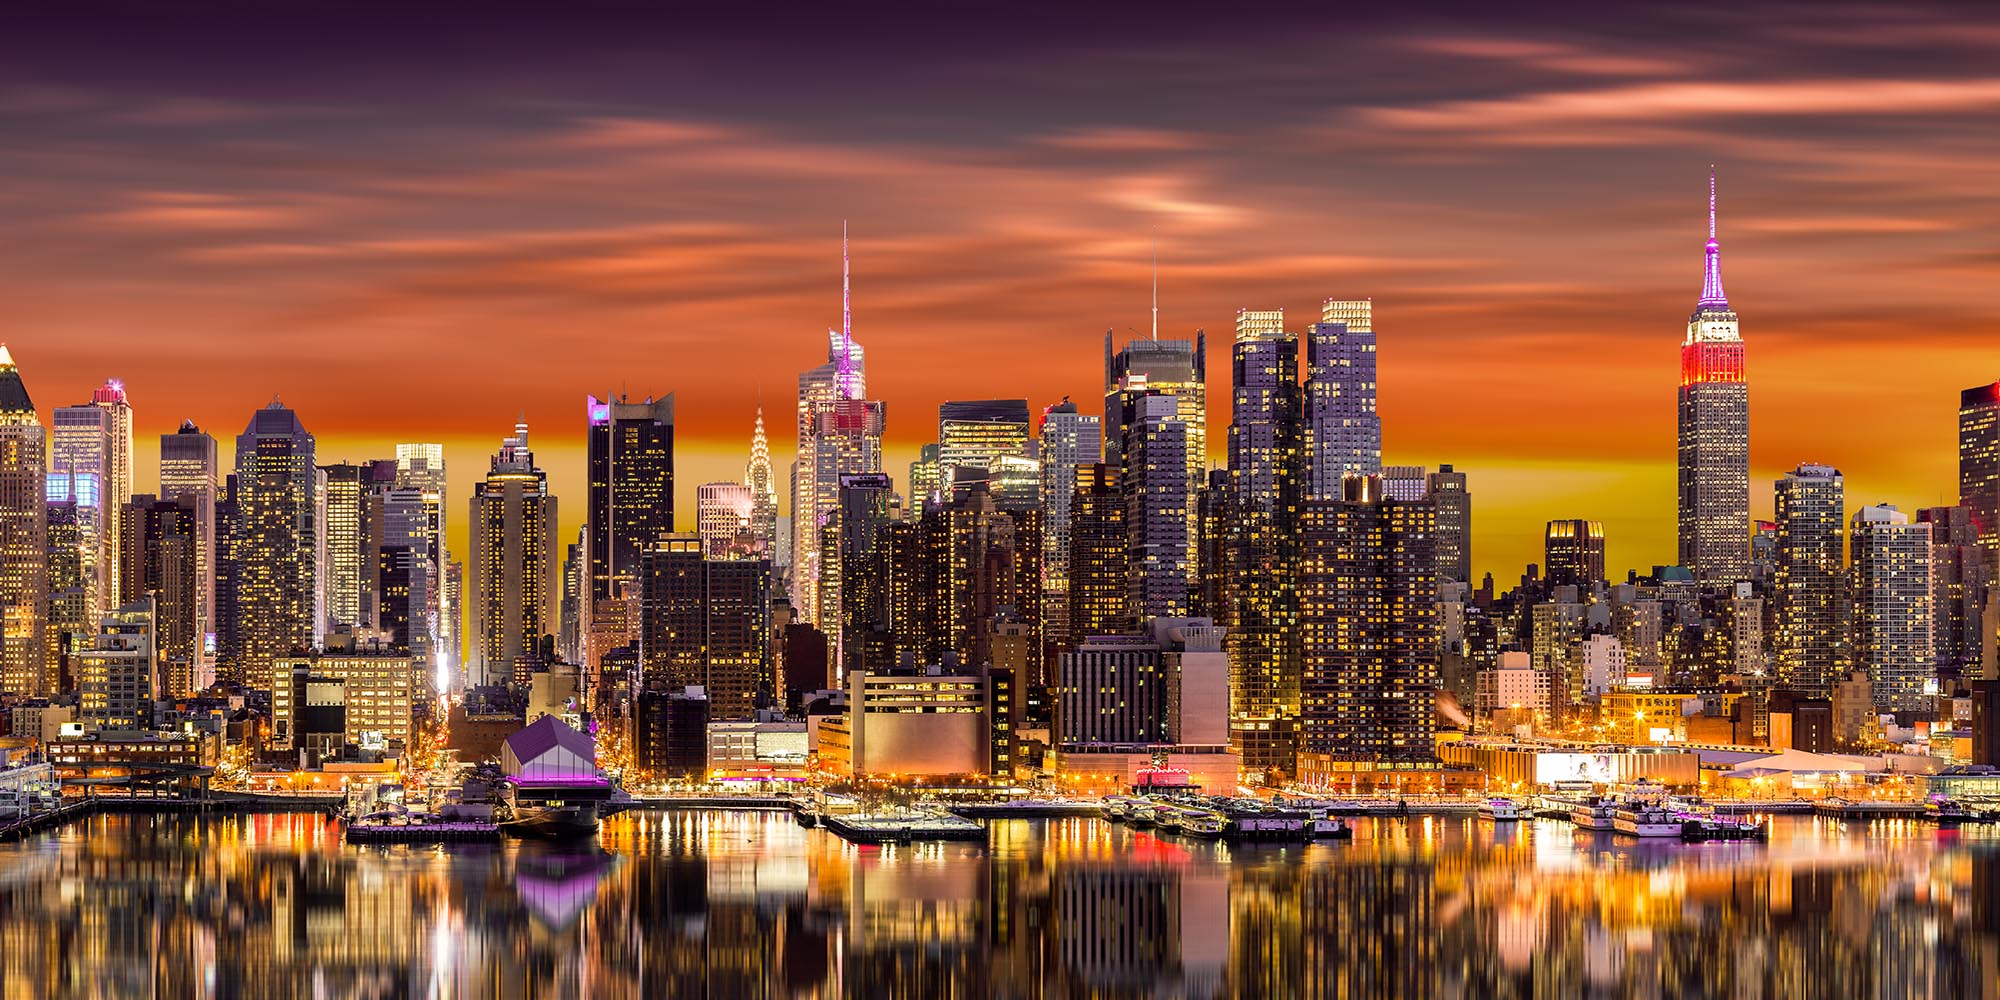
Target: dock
(1030, 809)
(1870, 810)
(863, 828)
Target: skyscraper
(23, 536)
(188, 470)
(1453, 501)
(110, 397)
(1368, 599)
(1979, 464)
(1260, 543)
(1961, 578)
(704, 622)
(1573, 554)
(1892, 606)
(274, 545)
(420, 468)
(857, 551)
(161, 563)
(1174, 368)
(80, 472)
(631, 494)
(513, 537)
(763, 486)
(1343, 434)
(1157, 506)
(1810, 584)
(839, 384)
(1068, 440)
(345, 532)
(1714, 430)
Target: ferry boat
(1946, 813)
(1141, 814)
(1166, 817)
(1594, 813)
(1500, 809)
(1205, 823)
(1641, 818)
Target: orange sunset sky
(415, 230)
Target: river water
(736, 905)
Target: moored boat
(1641, 818)
(1594, 813)
(1500, 809)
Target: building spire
(847, 374)
(847, 300)
(1711, 272)
(1156, 287)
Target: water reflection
(740, 905)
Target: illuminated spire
(757, 474)
(1711, 273)
(847, 367)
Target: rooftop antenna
(846, 302)
(1711, 201)
(1156, 285)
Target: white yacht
(1593, 813)
(1500, 809)
(1643, 818)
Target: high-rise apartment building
(1174, 368)
(1714, 421)
(1452, 499)
(1368, 600)
(1069, 440)
(857, 550)
(345, 500)
(1098, 551)
(110, 397)
(1979, 464)
(1892, 606)
(188, 470)
(23, 537)
(420, 470)
(1573, 553)
(1961, 579)
(1810, 583)
(630, 504)
(513, 538)
(1259, 543)
(161, 563)
(1343, 434)
(704, 622)
(79, 472)
(118, 676)
(1157, 506)
(274, 547)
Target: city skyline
(1498, 217)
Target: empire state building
(1714, 430)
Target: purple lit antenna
(1711, 272)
